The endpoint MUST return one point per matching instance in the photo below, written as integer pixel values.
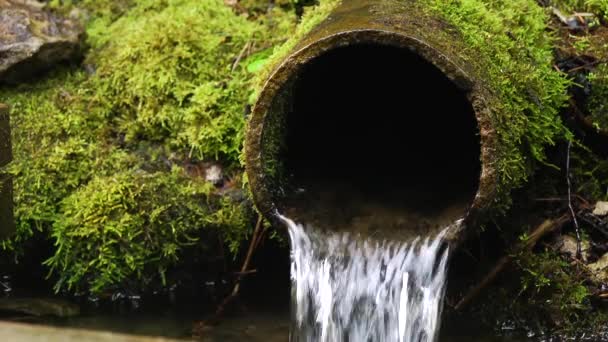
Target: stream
(350, 289)
(255, 325)
(365, 279)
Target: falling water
(350, 289)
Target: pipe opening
(377, 130)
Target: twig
(584, 66)
(240, 56)
(544, 228)
(550, 199)
(598, 226)
(246, 272)
(584, 202)
(235, 291)
(560, 16)
(259, 239)
(572, 213)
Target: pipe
(7, 223)
(375, 98)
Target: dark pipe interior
(385, 123)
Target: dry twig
(572, 213)
(244, 268)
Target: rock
(601, 209)
(566, 244)
(40, 306)
(599, 269)
(33, 39)
(214, 174)
(210, 171)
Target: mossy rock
(33, 39)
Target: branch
(252, 246)
(572, 213)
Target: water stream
(348, 288)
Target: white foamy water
(360, 290)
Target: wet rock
(601, 209)
(33, 39)
(39, 306)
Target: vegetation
(104, 152)
(555, 293)
(132, 225)
(511, 40)
(110, 155)
(597, 105)
(516, 42)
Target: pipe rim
(292, 64)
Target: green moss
(553, 294)
(98, 151)
(131, 226)
(512, 48)
(53, 147)
(311, 18)
(597, 104)
(174, 77)
(589, 174)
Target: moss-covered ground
(110, 155)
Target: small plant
(597, 104)
(581, 44)
(553, 286)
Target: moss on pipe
(499, 53)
